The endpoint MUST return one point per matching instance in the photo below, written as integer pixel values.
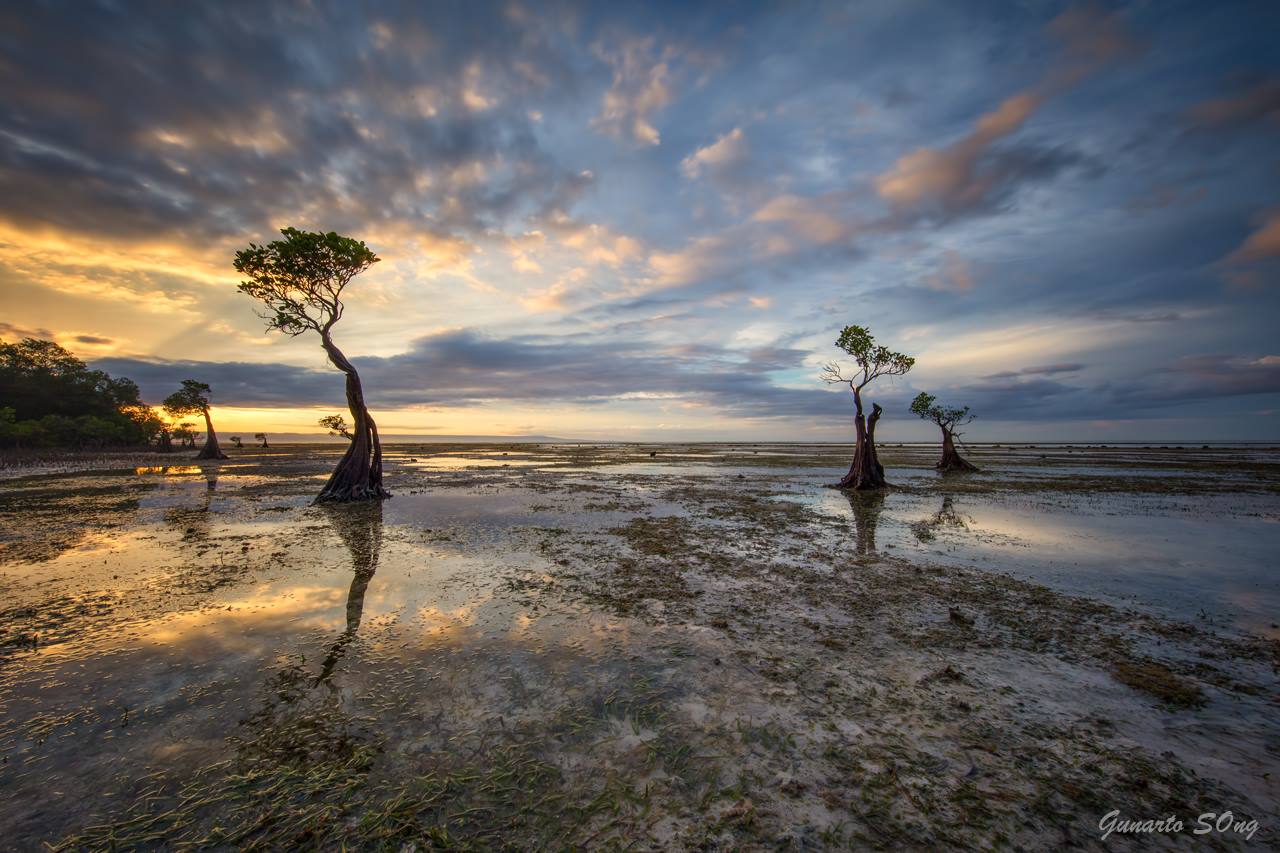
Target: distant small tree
(337, 425)
(185, 433)
(235, 439)
(300, 279)
(948, 418)
(873, 361)
(164, 434)
(261, 436)
(193, 399)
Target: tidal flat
(641, 647)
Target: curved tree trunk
(951, 458)
(865, 472)
(358, 476)
(210, 449)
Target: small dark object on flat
(959, 618)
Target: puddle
(1197, 558)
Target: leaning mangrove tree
(874, 361)
(300, 279)
(948, 418)
(193, 399)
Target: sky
(650, 221)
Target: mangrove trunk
(210, 449)
(865, 472)
(951, 458)
(358, 476)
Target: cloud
(13, 333)
(812, 220)
(971, 175)
(233, 128)
(1259, 103)
(1205, 377)
(1043, 370)
(641, 88)
(1091, 37)
(464, 368)
(955, 274)
(974, 173)
(647, 179)
(1262, 244)
(719, 158)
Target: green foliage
(337, 425)
(925, 406)
(874, 360)
(191, 399)
(300, 278)
(39, 378)
(922, 406)
(186, 433)
(53, 399)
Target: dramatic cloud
(624, 219)
(974, 174)
(245, 126)
(461, 368)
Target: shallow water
(1209, 557)
(162, 620)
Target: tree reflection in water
(866, 507)
(946, 516)
(359, 525)
(297, 724)
(195, 521)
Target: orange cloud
(953, 176)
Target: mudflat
(645, 646)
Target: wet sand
(650, 646)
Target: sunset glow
(651, 222)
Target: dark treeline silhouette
(50, 398)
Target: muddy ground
(641, 647)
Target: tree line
(52, 399)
